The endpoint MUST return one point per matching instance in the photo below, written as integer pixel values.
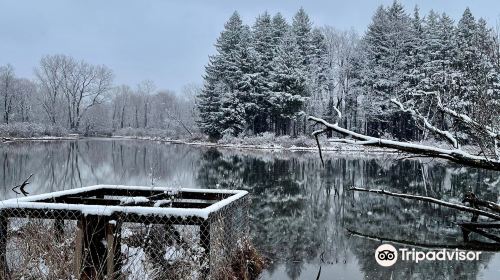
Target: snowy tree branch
(417, 116)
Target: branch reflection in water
(300, 210)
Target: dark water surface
(301, 211)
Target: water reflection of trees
(71, 164)
(300, 209)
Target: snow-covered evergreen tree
(265, 47)
(301, 30)
(288, 82)
(271, 76)
(416, 49)
(465, 60)
(320, 77)
(280, 27)
(218, 104)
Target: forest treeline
(68, 95)
(270, 76)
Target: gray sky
(166, 41)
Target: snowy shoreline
(337, 147)
(41, 139)
(325, 146)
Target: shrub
(29, 130)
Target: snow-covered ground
(262, 142)
(332, 147)
(41, 138)
(302, 143)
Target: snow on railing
(120, 232)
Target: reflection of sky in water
(299, 209)
(67, 165)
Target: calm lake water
(301, 212)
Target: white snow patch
(133, 200)
(32, 202)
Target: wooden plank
(124, 217)
(113, 258)
(146, 193)
(91, 260)
(78, 256)
(115, 202)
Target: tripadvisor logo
(387, 255)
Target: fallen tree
(474, 122)
(456, 154)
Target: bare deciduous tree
(50, 80)
(7, 78)
(84, 86)
(25, 95)
(145, 89)
(77, 84)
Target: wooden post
(90, 254)
(78, 257)
(59, 229)
(113, 259)
(4, 269)
(205, 244)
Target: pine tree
(208, 102)
(301, 29)
(263, 41)
(376, 48)
(432, 51)
(223, 73)
(288, 84)
(388, 68)
(414, 70)
(443, 78)
(250, 89)
(265, 48)
(488, 78)
(279, 28)
(465, 60)
(320, 77)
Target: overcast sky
(166, 41)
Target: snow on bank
(41, 138)
(31, 202)
(326, 147)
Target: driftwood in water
(22, 186)
(467, 227)
(473, 200)
(473, 245)
(431, 200)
